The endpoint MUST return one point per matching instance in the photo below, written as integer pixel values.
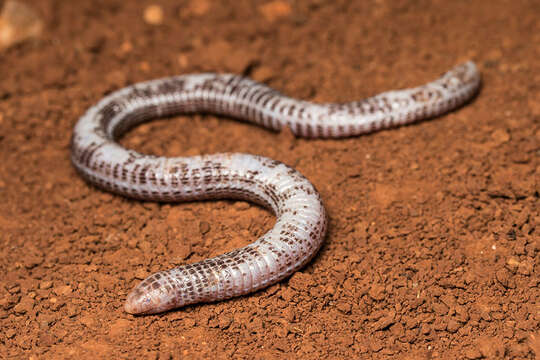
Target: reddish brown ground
(433, 248)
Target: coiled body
(301, 221)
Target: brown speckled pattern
(301, 221)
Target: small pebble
(183, 60)
(376, 292)
(453, 326)
(384, 322)
(275, 9)
(198, 7)
(144, 66)
(241, 205)
(26, 305)
(512, 264)
(153, 15)
(500, 136)
(125, 48)
(18, 22)
(63, 290)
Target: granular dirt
(433, 245)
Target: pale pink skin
(301, 221)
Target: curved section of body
(301, 221)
